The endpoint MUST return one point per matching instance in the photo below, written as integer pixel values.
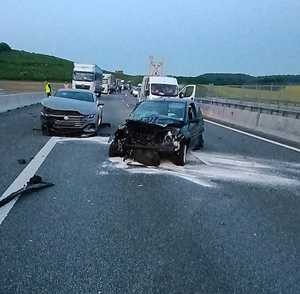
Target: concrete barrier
(13, 101)
(284, 127)
(280, 126)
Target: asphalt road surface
(227, 222)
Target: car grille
(50, 111)
(65, 119)
(84, 87)
(146, 136)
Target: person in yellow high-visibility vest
(48, 89)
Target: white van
(87, 77)
(161, 86)
(108, 84)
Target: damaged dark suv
(157, 128)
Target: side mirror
(181, 95)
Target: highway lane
(226, 223)
(20, 138)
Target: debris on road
(34, 184)
(22, 161)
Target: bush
(4, 47)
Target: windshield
(105, 81)
(83, 96)
(164, 90)
(163, 109)
(84, 76)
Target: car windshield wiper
(35, 183)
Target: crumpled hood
(157, 120)
(59, 103)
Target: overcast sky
(191, 36)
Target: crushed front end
(146, 142)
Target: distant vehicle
(135, 91)
(159, 127)
(122, 83)
(87, 77)
(71, 112)
(161, 86)
(108, 84)
(128, 85)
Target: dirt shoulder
(25, 86)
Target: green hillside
(22, 65)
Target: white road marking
(25, 175)
(34, 165)
(254, 136)
(100, 140)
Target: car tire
(180, 157)
(114, 150)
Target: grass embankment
(289, 94)
(25, 66)
(26, 86)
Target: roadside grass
(285, 94)
(26, 86)
(21, 65)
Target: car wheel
(180, 157)
(114, 149)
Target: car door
(188, 91)
(193, 123)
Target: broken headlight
(44, 111)
(171, 138)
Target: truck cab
(108, 84)
(87, 77)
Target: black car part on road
(34, 184)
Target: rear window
(83, 96)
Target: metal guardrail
(275, 109)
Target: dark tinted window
(83, 96)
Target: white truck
(162, 86)
(87, 77)
(108, 84)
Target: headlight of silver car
(44, 111)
